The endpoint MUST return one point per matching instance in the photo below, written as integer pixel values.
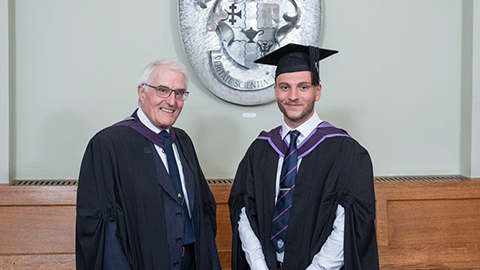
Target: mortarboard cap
(295, 57)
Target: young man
(303, 195)
(143, 202)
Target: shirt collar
(305, 129)
(144, 119)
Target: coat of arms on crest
(222, 38)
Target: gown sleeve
(236, 202)
(96, 206)
(114, 257)
(358, 198)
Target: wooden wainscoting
(37, 227)
(221, 191)
(428, 225)
(420, 225)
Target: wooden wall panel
(442, 221)
(420, 225)
(224, 231)
(37, 230)
(37, 195)
(436, 256)
(41, 261)
(428, 225)
(37, 227)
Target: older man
(303, 194)
(143, 202)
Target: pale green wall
(475, 153)
(396, 84)
(467, 93)
(6, 84)
(4, 152)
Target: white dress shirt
(330, 255)
(163, 156)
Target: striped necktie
(285, 195)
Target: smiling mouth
(167, 110)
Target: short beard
(306, 113)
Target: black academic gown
(337, 171)
(118, 183)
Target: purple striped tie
(285, 195)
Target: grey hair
(157, 67)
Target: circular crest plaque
(222, 38)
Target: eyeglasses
(165, 92)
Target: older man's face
(162, 112)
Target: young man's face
(296, 96)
